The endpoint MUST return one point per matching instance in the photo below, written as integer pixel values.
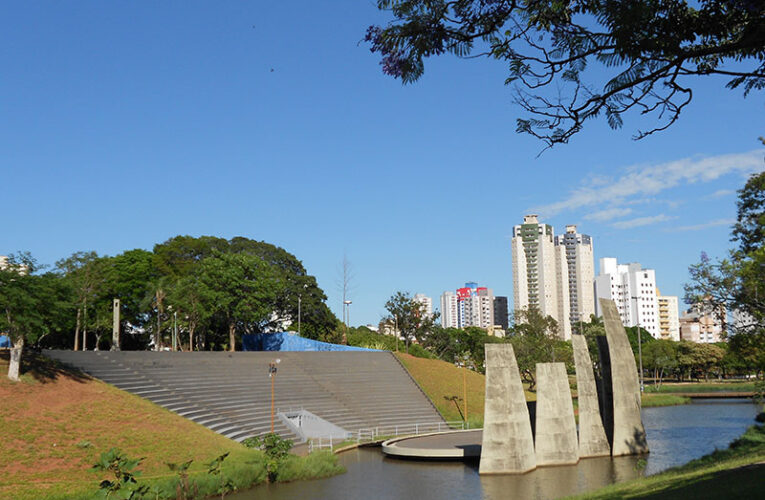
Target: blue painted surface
(5, 341)
(288, 341)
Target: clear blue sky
(123, 124)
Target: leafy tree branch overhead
(557, 52)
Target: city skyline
(185, 122)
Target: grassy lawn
(734, 473)
(733, 386)
(648, 400)
(56, 422)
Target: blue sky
(123, 124)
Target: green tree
(409, 317)
(535, 340)
(23, 302)
(661, 357)
(737, 283)
(242, 289)
(576, 60)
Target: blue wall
(5, 341)
(288, 341)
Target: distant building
(703, 323)
(3, 261)
(449, 310)
(540, 272)
(426, 302)
(581, 273)
(471, 305)
(500, 312)
(669, 320)
(633, 289)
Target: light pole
(272, 376)
(175, 331)
(300, 299)
(347, 318)
(395, 332)
(640, 342)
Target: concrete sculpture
(592, 434)
(628, 432)
(555, 440)
(507, 443)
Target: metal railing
(369, 434)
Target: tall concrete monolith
(116, 325)
(628, 432)
(508, 446)
(555, 439)
(592, 434)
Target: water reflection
(675, 434)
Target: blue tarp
(5, 341)
(289, 341)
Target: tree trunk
(77, 331)
(14, 367)
(85, 326)
(191, 337)
(231, 336)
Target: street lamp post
(347, 318)
(175, 330)
(300, 299)
(640, 342)
(272, 376)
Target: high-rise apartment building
(580, 267)
(471, 305)
(540, 271)
(703, 323)
(669, 321)
(426, 302)
(449, 310)
(633, 289)
(500, 312)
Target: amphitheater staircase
(230, 393)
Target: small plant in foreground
(215, 469)
(184, 490)
(276, 449)
(124, 485)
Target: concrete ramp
(230, 393)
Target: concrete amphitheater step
(230, 393)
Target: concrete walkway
(440, 445)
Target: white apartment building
(669, 319)
(539, 270)
(580, 267)
(469, 306)
(449, 310)
(426, 302)
(633, 289)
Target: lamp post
(347, 318)
(640, 342)
(300, 299)
(272, 376)
(175, 331)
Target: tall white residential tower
(633, 289)
(581, 273)
(539, 270)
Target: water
(676, 435)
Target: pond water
(676, 435)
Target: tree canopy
(574, 60)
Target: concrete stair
(230, 393)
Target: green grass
(703, 387)
(652, 400)
(56, 422)
(736, 472)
